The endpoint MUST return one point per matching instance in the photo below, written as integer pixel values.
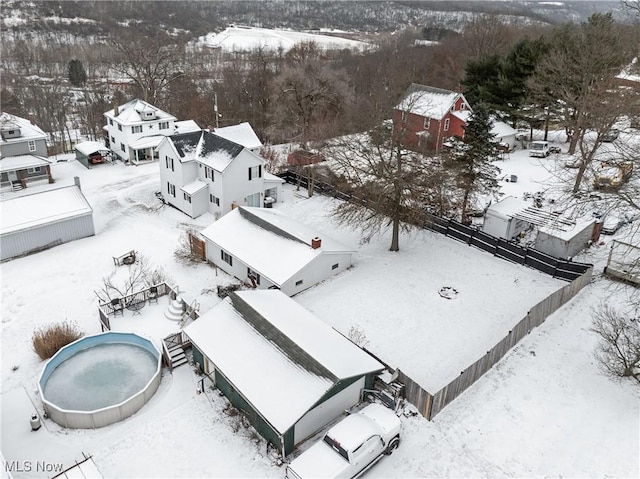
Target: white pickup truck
(350, 447)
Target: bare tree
(618, 352)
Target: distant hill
(192, 19)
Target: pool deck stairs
(178, 358)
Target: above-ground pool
(101, 379)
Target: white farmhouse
(134, 129)
(266, 249)
(202, 172)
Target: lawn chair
(152, 295)
(117, 306)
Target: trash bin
(514, 179)
(35, 422)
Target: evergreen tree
(77, 74)
(472, 159)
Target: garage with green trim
(289, 372)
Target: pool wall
(107, 415)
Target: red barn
(427, 116)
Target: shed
(502, 218)
(41, 220)
(265, 248)
(90, 153)
(563, 239)
(290, 372)
(504, 134)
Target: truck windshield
(537, 146)
(335, 445)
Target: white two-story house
(203, 172)
(23, 153)
(135, 129)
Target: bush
(49, 339)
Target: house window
(255, 172)
(335, 266)
(32, 145)
(171, 189)
(186, 197)
(253, 200)
(463, 106)
(226, 257)
(119, 127)
(33, 170)
(208, 172)
(253, 275)
(168, 163)
(122, 147)
(427, 123)
(113, 140)
(136, 129)
(446, 124)
(215, 200)
(110, 121)
(163, 125)
(299, 282)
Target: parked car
(351, 447)
(539, 149)
(555, 149)
(573, 163)
(614, 221)
(612, 175)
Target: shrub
(47, 340)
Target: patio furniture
(153, 294)
(117, 306)
(136, 306)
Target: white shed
(564, 239)
(266, 248)
(502, 218)
(42, 220)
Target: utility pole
(215, 109)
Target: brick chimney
(116, 108)
(316, 242)
(32, 118)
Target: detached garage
(289, 372)
(42, 220)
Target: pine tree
(77, 74)
(472, 159)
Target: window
(214, 200)
(163, 125)
(110, 121)
(427, 123)
(208, 172)
(446, 124)
(254, 200)
(168, 163)
(113, 140)
(463, 106)
(186, 197)
(119, 127)
(255, 172)
(335, 266)
(32, 145)
(33, 170)
(122, 147)
(252, 275)
(226, 257)
(171, 189)
(136, 129)
(299, 282)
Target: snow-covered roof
(270, 242)
(28, 131)
(566, 230)
(194, 187)
(131, 113)
(270, 178)
(508, 207)
(278, 355)
(241, 133)
(146, 142)
(428, 101)
(185, 126)
(462, 114)
(501, 130)
(20, 162)
(29, 211)
(88, 147)
(207, 148)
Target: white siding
(24, 241)
(236, 186)
(237, 270)
(316, 271)
(326, 412)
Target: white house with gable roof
(266, 249)
(203, 172)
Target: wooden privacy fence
(430, 405)
(197, 245)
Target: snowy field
(240, 39)
(544, 410)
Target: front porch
(17, 172)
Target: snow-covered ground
(242, 39)
(544, 410)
